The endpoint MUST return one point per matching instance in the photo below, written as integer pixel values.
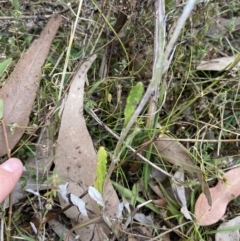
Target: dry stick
(157, 73)
(168, 231)
(159, 44)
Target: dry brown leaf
(43, 159)
(222, 194)
(218, 64)
(19, 92)
(174, 152)
(76, 160)
(221, 26)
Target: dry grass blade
(20, 90)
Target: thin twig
(168, 231)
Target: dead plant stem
(161, 65)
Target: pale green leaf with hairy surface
(4, 65)
(101, 169)
(132, 101)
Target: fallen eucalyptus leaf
(1, 108)
(76, 159)
(44, 155)
(221, 194)
(219, 64)
(174, 152)
(20, 90)
(221, 26)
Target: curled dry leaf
(222, 194)
(180, 193)
(20, 90)
(76, 159)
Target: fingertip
(12, 165)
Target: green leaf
(128, 195)
(101, 169)
(1, 108)
(132, 101)
(4, 65)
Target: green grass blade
(128, 194)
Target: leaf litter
(232, 230)
(19, 92)
(76, 159)
(224, 192)
(172, 151)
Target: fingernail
(12, 165)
